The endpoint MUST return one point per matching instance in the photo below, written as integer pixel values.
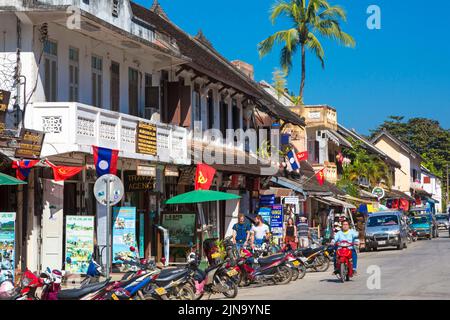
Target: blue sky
(402, 69)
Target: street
(418, 272)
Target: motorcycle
(273, 269)
(317, 259)
(344, 261)
(216, 279)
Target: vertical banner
(141, 234)
(7, 245)
(276, 221)
(124, 231)
(79, 243)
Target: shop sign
(276, 220)
(4, 102)
(146, 171)
(134, 182)
(30, 144)
(124, 232)
(378, 192)
(146, 139)
(181, 227)
(7, 245)
(266, 199)
(171, 171)
(292, 204)
(79, 243)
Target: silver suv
(386, 229)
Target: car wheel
(400, 246)
(405, 245)
(375, 249)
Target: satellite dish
(116, 190)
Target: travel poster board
(79, 243)
(181, 227)
(124, 232)
(7, 245)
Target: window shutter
(186, 106)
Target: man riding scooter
(351, 236)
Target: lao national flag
(105, 160)
(292, 160)
(23, 168)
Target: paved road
(422, 271)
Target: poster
(79, 242)
(181, 227)
(124, 231)
(276, 220)
(7, 245)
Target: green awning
(198, 196)
(6, 180)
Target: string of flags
(105, 161)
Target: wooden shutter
(115, 86)
(173, 103)
(186, 106)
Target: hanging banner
(276, 220)
(124, 232)
(7, 245)
(79, 243)
(4, 102)
(181, 227)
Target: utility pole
(447, 194)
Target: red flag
(204, 176)
(320, 176)
(61, 173)
(302, 156)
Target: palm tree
(310, 18)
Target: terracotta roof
(209, 62)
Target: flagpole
(311, 177)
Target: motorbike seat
(309, 251)
(270, 259)
(168, 275)
(76, 294)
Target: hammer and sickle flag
(320, 176)
(61, 173)
(204, 176)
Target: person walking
(290, 234)
(241, 232)
(260, 231)
(303, 233)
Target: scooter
(273, 269)
(344, 261)
(317, 259)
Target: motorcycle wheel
(343, 272)
(183, 293)
(295, 274)
(301, 271)
(233, 291)
(243, 280)
(283, 276)
(322, 264)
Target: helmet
(192, 257)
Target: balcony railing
(330, 171)
(75, 127)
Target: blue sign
(266, 200)
(276, 219)
(124, 231)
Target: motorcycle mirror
(132, 249)
(163, 260)
(69, 260)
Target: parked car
(442, 221)
(423, 226)
(423, 211)
(386, 229)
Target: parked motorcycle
(317, 259)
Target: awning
(337, 138)
(278, 192)
(284, 182)
(336, 202)
(6, 180)
(349, 197)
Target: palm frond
(314, 44)
(330, 29)
(280, 7)
(285, 36)
(335, 12)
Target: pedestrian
(303, 233)
(290, 234)
(260, 231)
(241, 232)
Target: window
(50, 70)
(97, 81)
(210, 109)
(223, 118)
(115, 86)
(236, 113)
(133, 92)
(74, 72)
(151, 97)
(115, 8)
(196, 104)
(414, 175)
